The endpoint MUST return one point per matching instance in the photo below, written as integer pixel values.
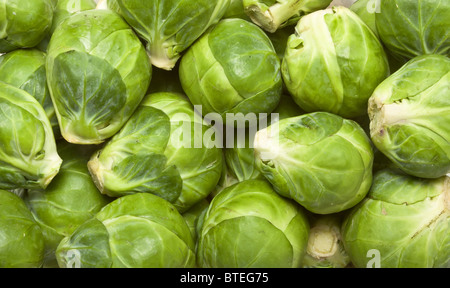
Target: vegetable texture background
(224, 134)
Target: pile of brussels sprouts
(113, 151)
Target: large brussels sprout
(248, 225)
(327, 70)
(404, 223)
(71, 199)
(413, 28)
(24, 23)
(25, 69)
(273, 14)
(134, 231)
(234, 69)
(164, 150)
(410, 117)
(98, 73)
(169, 27)
(322, 161)
(325, 247)
(21, 240)
(28, 155)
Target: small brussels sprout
(98, 73)
(327, 70)
(273, 14)
(403, 223)
(217, 70)
(413, 28)
(25, 69)
(325, 247)
(71, 199)
(156, 152)
(134, 231)
(169, 27)
(410, 117)
(320, 160)
(248, 225)
(24, 23)
(21, 241)
(28, 155)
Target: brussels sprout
(169, 27)
(320, 160)
(98, 73)
(413, 28)
(21, 241)
(410, 117)
(240, 158)
(24, 23)
(217, 70)
(327, 70)
(25, 69)
(69, 201)
(28, 155)
(273, 14)
(404, 222)
(134, 231)
(248, 225)
(325, 248)
(156, 152)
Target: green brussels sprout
(21, 241)
(216, 71)
(134, 231)
(24, 23)
(325, 247)
(156, 152)
(413, 28)
(169, 27)
(71, 199)
(320, 160)
(25, 69)
(403, 223)
(98, 73)
(327, 70)
(273, 14)
(248, 225)
(410, 117)
(28, 155)
(240, 158)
